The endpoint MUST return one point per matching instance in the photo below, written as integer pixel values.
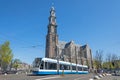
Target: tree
(5, 55)
(108, 65)
(16, 63)
(96, 64)
(98, 59)
(112, 61)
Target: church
(65, 51)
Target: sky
(93, 22)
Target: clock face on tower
(52, 13)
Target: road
(55, 77)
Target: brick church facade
(66, 51)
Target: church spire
(52, 18)
(52, 36)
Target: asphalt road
(55, 77)
(111, 78)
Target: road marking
(48, 78)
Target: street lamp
(57, 59)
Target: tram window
(60, 66)
(85, 69)
(36, 62)
(41, 66)
(73, 67)
(52, 66)
(80, 68)
(46, 65)
(66, 67)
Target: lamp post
(57, 59)
(76, 58)
(82, 63)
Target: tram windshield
(36, 62)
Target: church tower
(52, 37)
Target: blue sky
(24, 24)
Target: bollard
(25, 72)
(96, 77)
(5, 74)
(17, 73)
(91, 79)
(100, 75)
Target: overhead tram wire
(20, 40)
(34, 46)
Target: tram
(47, 66)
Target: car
(116, 73)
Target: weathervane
(52, 6)
(52, 3)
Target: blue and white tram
(46, 66)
